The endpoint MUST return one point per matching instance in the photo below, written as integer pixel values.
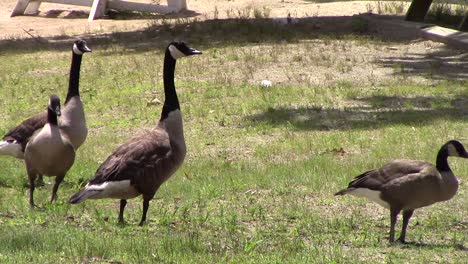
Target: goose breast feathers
(50, 152)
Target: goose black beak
(86, 48)
(57, 111)
(194, 52)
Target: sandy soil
(56, 19)
(368, 65)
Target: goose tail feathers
(342, 192)
(11, 149)
(82, 195)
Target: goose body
(141, 165)
(14, 142)
(138, 166)
(49, 152)
(72, 121)
(406, 185)
(46, 148)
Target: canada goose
(49, 152)
(141, 165)
(72, 121)
(406, 185)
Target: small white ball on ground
(266, 83)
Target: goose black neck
(441, 162)
(171, 102)
(74, 82)
(51, 117)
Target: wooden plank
(177, 4)
(464, 24)
(446, 35)
(140, 7)
(71, 2)
(98, 9)
(33, 7)
(20, 7)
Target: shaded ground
(55, 19)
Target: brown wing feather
(22, 132)
(130, 160)
(375, 179)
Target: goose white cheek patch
(452, 151)
(175, 52)
(76, 50)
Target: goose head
(54, 104)
(80, 47)
(455, 148)
(179, 49)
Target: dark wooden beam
(464, 24)
(418, 10)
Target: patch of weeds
(387, 7)
(446, 14)
(264, 12)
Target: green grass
(263, 163)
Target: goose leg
(123, 203)
(58, 180)
(393, 218)
(32, 178)
(145, 210)
(406, 217)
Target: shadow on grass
(110, 14)
(4, 184)
(369, 113)
(459, 247)
(440, 65)
(210, 33)
(218, 33)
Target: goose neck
(51, 117)
(441, 162)
(74, 82)
(171, 102)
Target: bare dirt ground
(56, 19)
